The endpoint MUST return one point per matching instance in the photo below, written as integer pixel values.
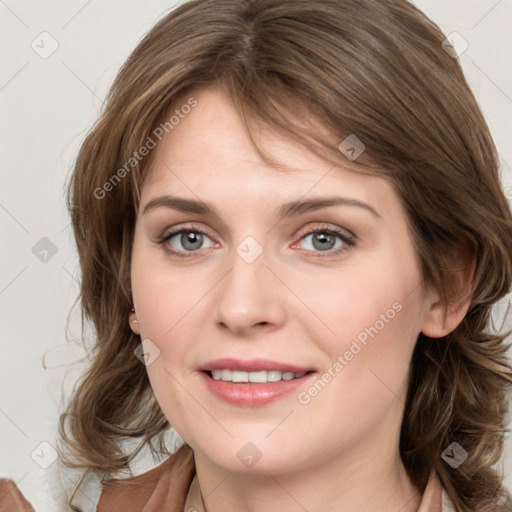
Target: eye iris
(323, 241)
(191, 240)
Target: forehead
(209, 151)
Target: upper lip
(252, 365)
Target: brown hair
(366, 67)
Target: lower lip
(250, 394)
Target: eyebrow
(290, 209)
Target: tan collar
(194, 501)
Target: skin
(295, 303)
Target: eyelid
(348, 238)
(329, 228)
(167, 235)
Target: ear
(440, 321)
(132, 320)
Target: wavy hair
(373, 68)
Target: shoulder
(11, 499)
(163, 487)
(142, 483)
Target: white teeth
(274, 376)
(240, 376)
(260, 377)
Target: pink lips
(252, 394)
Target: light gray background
(47, 105)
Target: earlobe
(132, 320)
(438, 323)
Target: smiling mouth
(257, 377)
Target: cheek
(367, 359)
(164, 297)
(370, 313)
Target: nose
(249, 298)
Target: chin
(258, 457)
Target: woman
(291, 233)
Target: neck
(369, 478)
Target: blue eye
(328, 240)
(190, 239)
(323, 241)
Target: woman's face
(275, 284)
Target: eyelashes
(332, 234)
(324, 235)
(167, 237)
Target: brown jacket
(166, 487)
